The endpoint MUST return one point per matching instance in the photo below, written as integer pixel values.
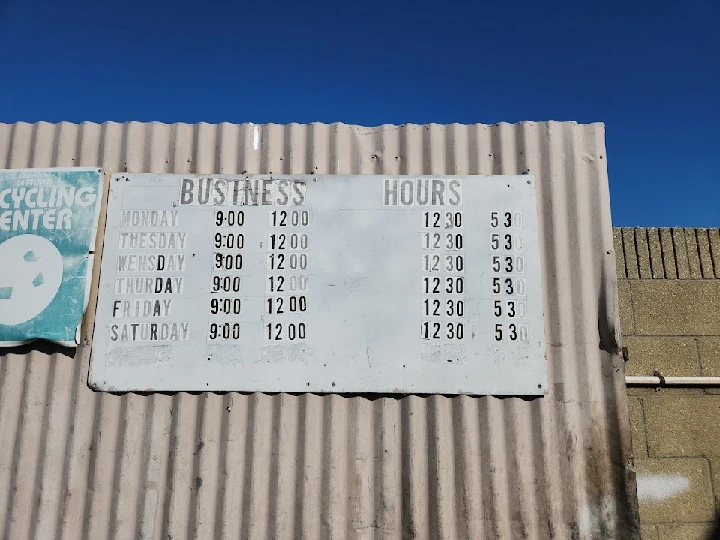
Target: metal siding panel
(75, 464)
(574, 309)
(550, 508)
(48, 477)
(231, 470)
(6, 132)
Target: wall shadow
(715, 533)
(41, 346)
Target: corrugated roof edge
(202, 123)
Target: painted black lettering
(220, 191)
(203, 198)
(186, 192)
(391, 192)
(438, 192)
(252, 188)
(406, 192)
(282, 185)
(300, 199)
(236, 192)
(454, 189)
(423, 192)
(266, 192)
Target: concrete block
(693, 254)
(648, 532)
(669, 259)
(682, 426)
(674, 491)
(694, 531)
(625, 308)
(671, 355)
(676, 308)
(656, 257)
(715, 250)
(681, 256)
(706, 262)
(643, 253)
(709, 350)
(637, 428)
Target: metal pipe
(660, 380)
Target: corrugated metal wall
(78, 464)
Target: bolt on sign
(391, 284)
(48, 223)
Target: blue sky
(649, 70)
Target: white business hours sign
(321, 283)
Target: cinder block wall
(669, 283)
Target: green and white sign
(48, 223)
